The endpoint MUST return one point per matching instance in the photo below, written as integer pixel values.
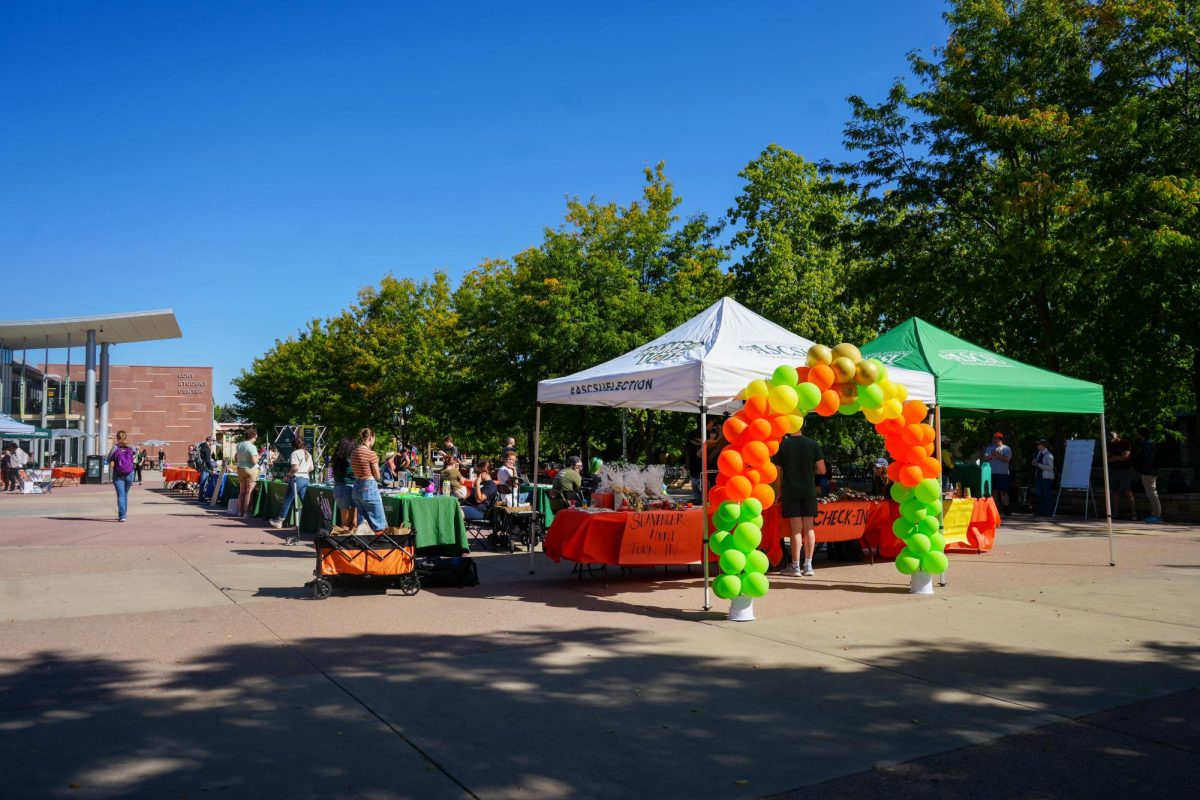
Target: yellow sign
(956, 518)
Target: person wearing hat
(880, 482)
(998, 454)
(1043, 470)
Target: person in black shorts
(800, 461)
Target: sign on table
(662, 537)
(847, 519)
(956, 519)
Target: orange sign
(662, 537)
(842, 520)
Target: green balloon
(933, 509)
(903, 528)
(751, 508)
(757, 561)
(727, 587)
(934, 562)
(880, 367)
(809, 396)
(747, 537)
(870, 396)
(755, 584)
(928, 490)
(906, 562)
(720, 541)
(757, 522)
(727, 515)
(850, 408)
(918, 543)
(937, 542)
(900, 492)
(734, 561)
(785, 375)
(929, 526)
(913, 510)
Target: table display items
(635, 488)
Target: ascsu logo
(892, 358)
(973, 358)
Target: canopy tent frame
(906, 346)
(697, 367)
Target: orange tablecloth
(67, 473)
(595, 538)
(187, 474)
(837, 521)
(981, 531)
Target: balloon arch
(834, 381)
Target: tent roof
(978, 381)
(137, 326)
(14, 428)
(709, 358)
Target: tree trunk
(650, 459)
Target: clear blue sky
(252, 164)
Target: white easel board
(1077, 464)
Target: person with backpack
(121, 457)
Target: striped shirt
(361, 460)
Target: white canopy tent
(13, 429)
(699, 366)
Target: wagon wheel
(409, 585)
(322, 588)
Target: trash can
(93, 469)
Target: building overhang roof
(137, 326)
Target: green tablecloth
(543, 500)
(437, 522)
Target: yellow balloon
(795, 423)
(901, 392)
(889, 388)
(847, 350)
(757, 388)
(783, 399)
(873, 415)
(843, 369)
(818, 354)
(892, 409)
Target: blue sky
(251, 165)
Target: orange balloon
(760, 429)
(767, 472)
(822, 375)
(755, 453)
(915, 454)
(915, 411)
(756, 407)
(893, 471)
(730, 463)
(733, 427)
(803, 373)
(912, 435)
(829, 403)
(928, 434)
(931, 467)
(764, 494)
(928, 448)
(779, 426)
(890, 427)
(910, 476)
(739, 488)
(773, 446)
(751, 475)
(716, 496)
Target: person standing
(8, 466)
(208, 463)
(1119, 462)
(998, 454)
(121, 457)
(300, 467)
(365, 463)
(692, 453)
(343, 483)
(247, 470)
(138, 461)
(162, 459)
(1043, 471)
(800, 463)
(1146, 459)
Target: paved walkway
(179, 655)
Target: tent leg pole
(704, 498)
(1112, 556)
(537, 441)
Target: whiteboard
(1077, 464)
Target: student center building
(77, 406)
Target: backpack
(458, 572)
(122, 458)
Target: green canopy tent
(972, 381)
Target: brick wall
(169, 403)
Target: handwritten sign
(662, 537)
(956, 518)
(842, 521)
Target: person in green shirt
(800, 461)
(567, 479)
(247, 470)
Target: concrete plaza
(179, 655)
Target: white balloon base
(741, 609)
(922, 583)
